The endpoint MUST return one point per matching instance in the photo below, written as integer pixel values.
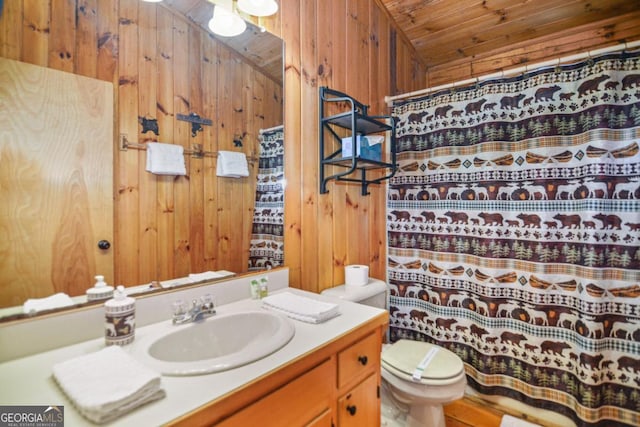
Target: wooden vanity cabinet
(337, 385)
(358, 382)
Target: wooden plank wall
(345, 45)
(161, 65)
(351, 46)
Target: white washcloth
(165, 159)
(232, 164)
(172, 283)
(509, 421)
(107, 384)
(207, 275)
(48, 303)
(301, 308)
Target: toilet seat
(403, 357)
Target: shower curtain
(514, 235)
(267, 236)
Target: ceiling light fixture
(258, 7)
(225, 22)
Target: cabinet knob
(363, 360)
(351, 409)
(104, 244)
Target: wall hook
(196, 122)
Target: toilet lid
(404, 358)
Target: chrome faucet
(200, 309)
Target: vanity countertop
(28, 380)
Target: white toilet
(423, 391)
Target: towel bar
(196, 151)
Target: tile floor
(392, 414)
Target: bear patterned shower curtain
(514, 235)
(267, 235)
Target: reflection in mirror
(159, 229)
(267, 235)
(56, 194)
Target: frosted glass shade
(258, 7)
(226, 23)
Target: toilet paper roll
(356, 275)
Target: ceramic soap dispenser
(120, 318)
(100, 290)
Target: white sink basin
(219, 343)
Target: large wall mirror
(76, 198)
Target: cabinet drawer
(359, 359)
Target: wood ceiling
(447, 30)
(442, 31)
(260, 48)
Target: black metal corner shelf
(354, 118)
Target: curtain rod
(270, 129)
(504, 73)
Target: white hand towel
(207, 275)
(509, 421)
(232, 164)
(172, 283)
(301, 308)
(165, 159)
(106, 384)
(48, 303)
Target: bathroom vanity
(328, 374)
(336, 383)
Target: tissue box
(367, 147)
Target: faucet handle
(207, 302)
(179, 307)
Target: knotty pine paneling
(320, 51)
(345, 45)
(350, 46)
(161, 65)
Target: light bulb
(226, 23)
(258, 7)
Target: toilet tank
(373, 293)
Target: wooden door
(56, 181)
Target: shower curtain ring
(590, 60)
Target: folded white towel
(301, 308)
(509, 421)
(165, 159)
(172, 283)
(207, 275)
(48, 303)
(107, 384)
(232, 164)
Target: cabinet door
(361, 406)
(298, 403)
(323, 420)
